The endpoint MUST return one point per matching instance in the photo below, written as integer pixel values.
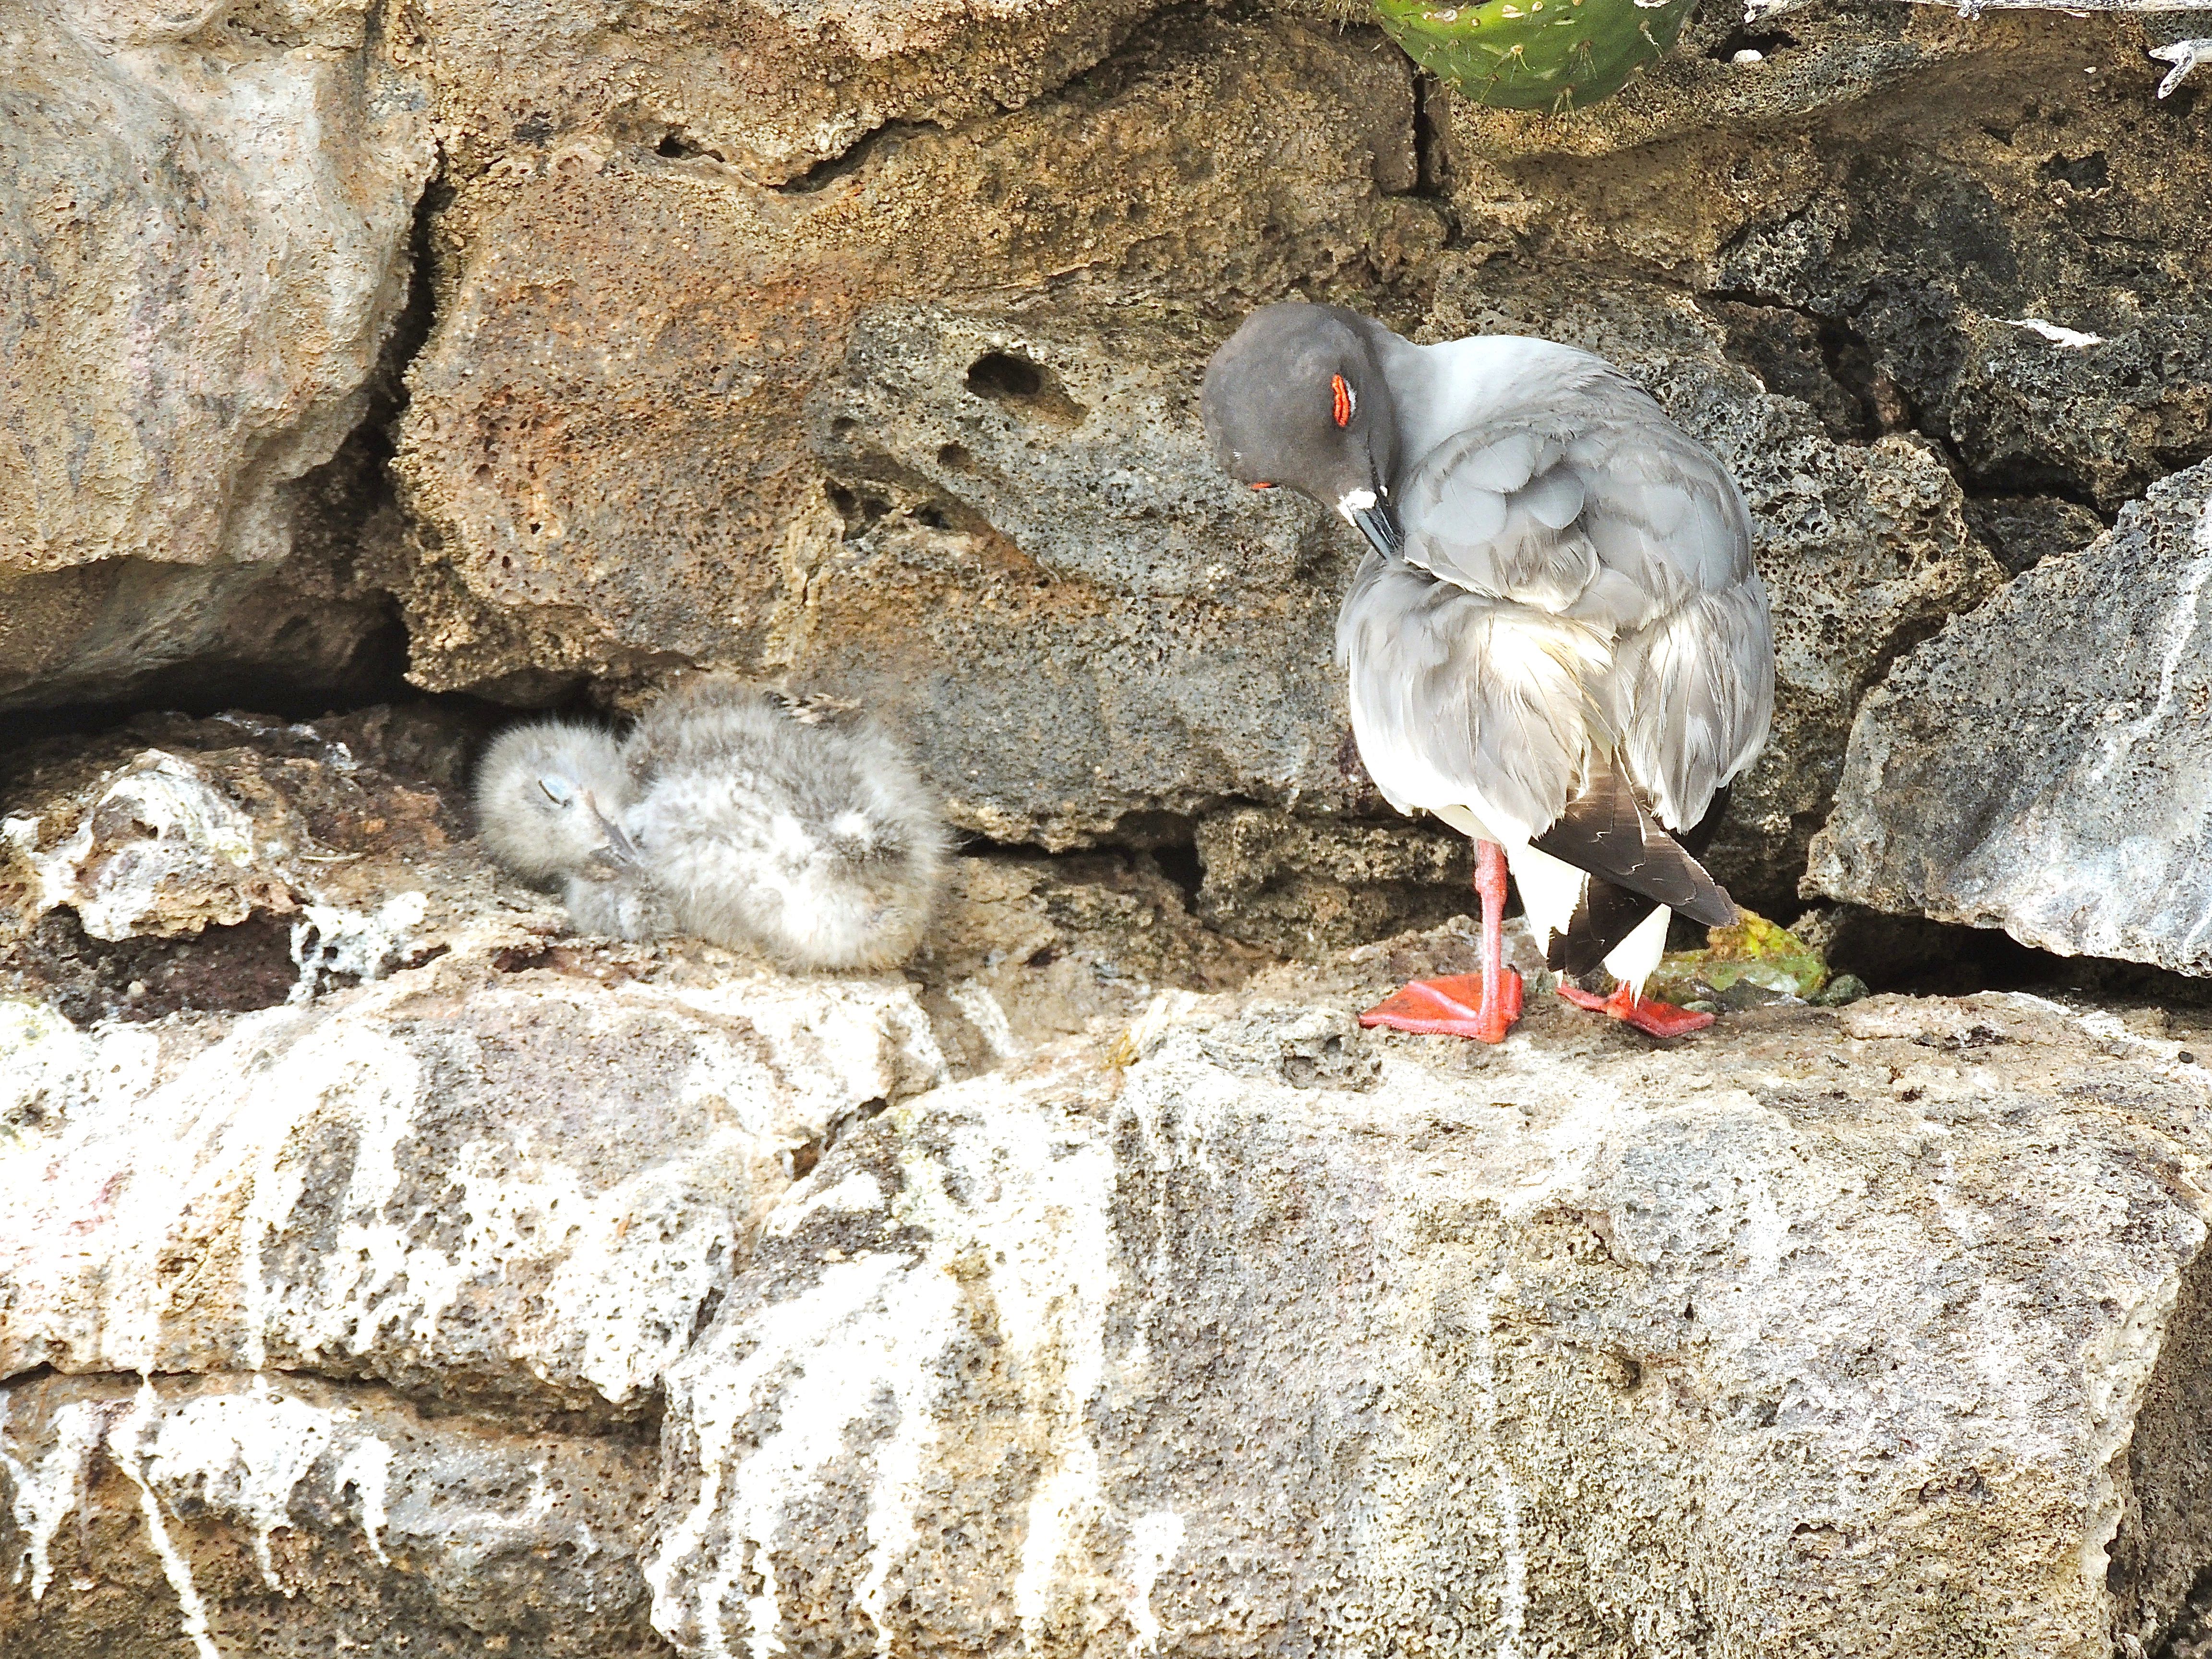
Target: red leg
(1479, 1005)
(1647, 1014)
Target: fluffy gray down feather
(544, 792)
(797, 829)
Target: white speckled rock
(1853, 1346)
(458, 1179)
(187, 1496)
(2040, 766)
(1885, 1330)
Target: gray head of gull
(1557, 641)
(551, 800)
(799, 829)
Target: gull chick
(799, 829)
(550, 799)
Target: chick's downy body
(797, 830)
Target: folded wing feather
(1581, 499)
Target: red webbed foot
(1452, 1006)
(1646, 1014)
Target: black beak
(1379, 524)
(620, 850)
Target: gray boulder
(207, 209)
(2039, 766)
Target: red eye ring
(1263, 486)
(1340, 391)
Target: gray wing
(1584, 501)
(1459, 698)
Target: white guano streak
(1513, 1594)
(872, 1332)
(46, 1491)
(2181, 627)
(2072, 339)
(335, 940)
(848, 1338)
(1051, 1221)
(247, 1454)
(130, 1456)
(1153, 1540)
(368, 1469)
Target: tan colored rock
(1024, 951)
(617, 462)
(1624, 1352)
(212, 207)
(131, 629)
(1308, 886)
(772, 89)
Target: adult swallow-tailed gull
(1557, 643)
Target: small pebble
(1843, 989)
(136, 989)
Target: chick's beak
(619, 850)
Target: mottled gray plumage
(1559, 641)
(551, 797)
(797, 828)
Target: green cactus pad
(1554, 54)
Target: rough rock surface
(855, 346)
(1882, 1330)
(1302, 885)
(1096, 1282)
(2039, 766)
(383, 1269)
(997, 517)
(208, 210)
(703, 470)
(1987, 233)
(232, 863)
(288, 1514)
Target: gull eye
(557, 791)
(1344, 400)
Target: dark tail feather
(1610, 911)
(1606, 916)
(1606, 831)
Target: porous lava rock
(1095, 1281)
(683, 1307)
